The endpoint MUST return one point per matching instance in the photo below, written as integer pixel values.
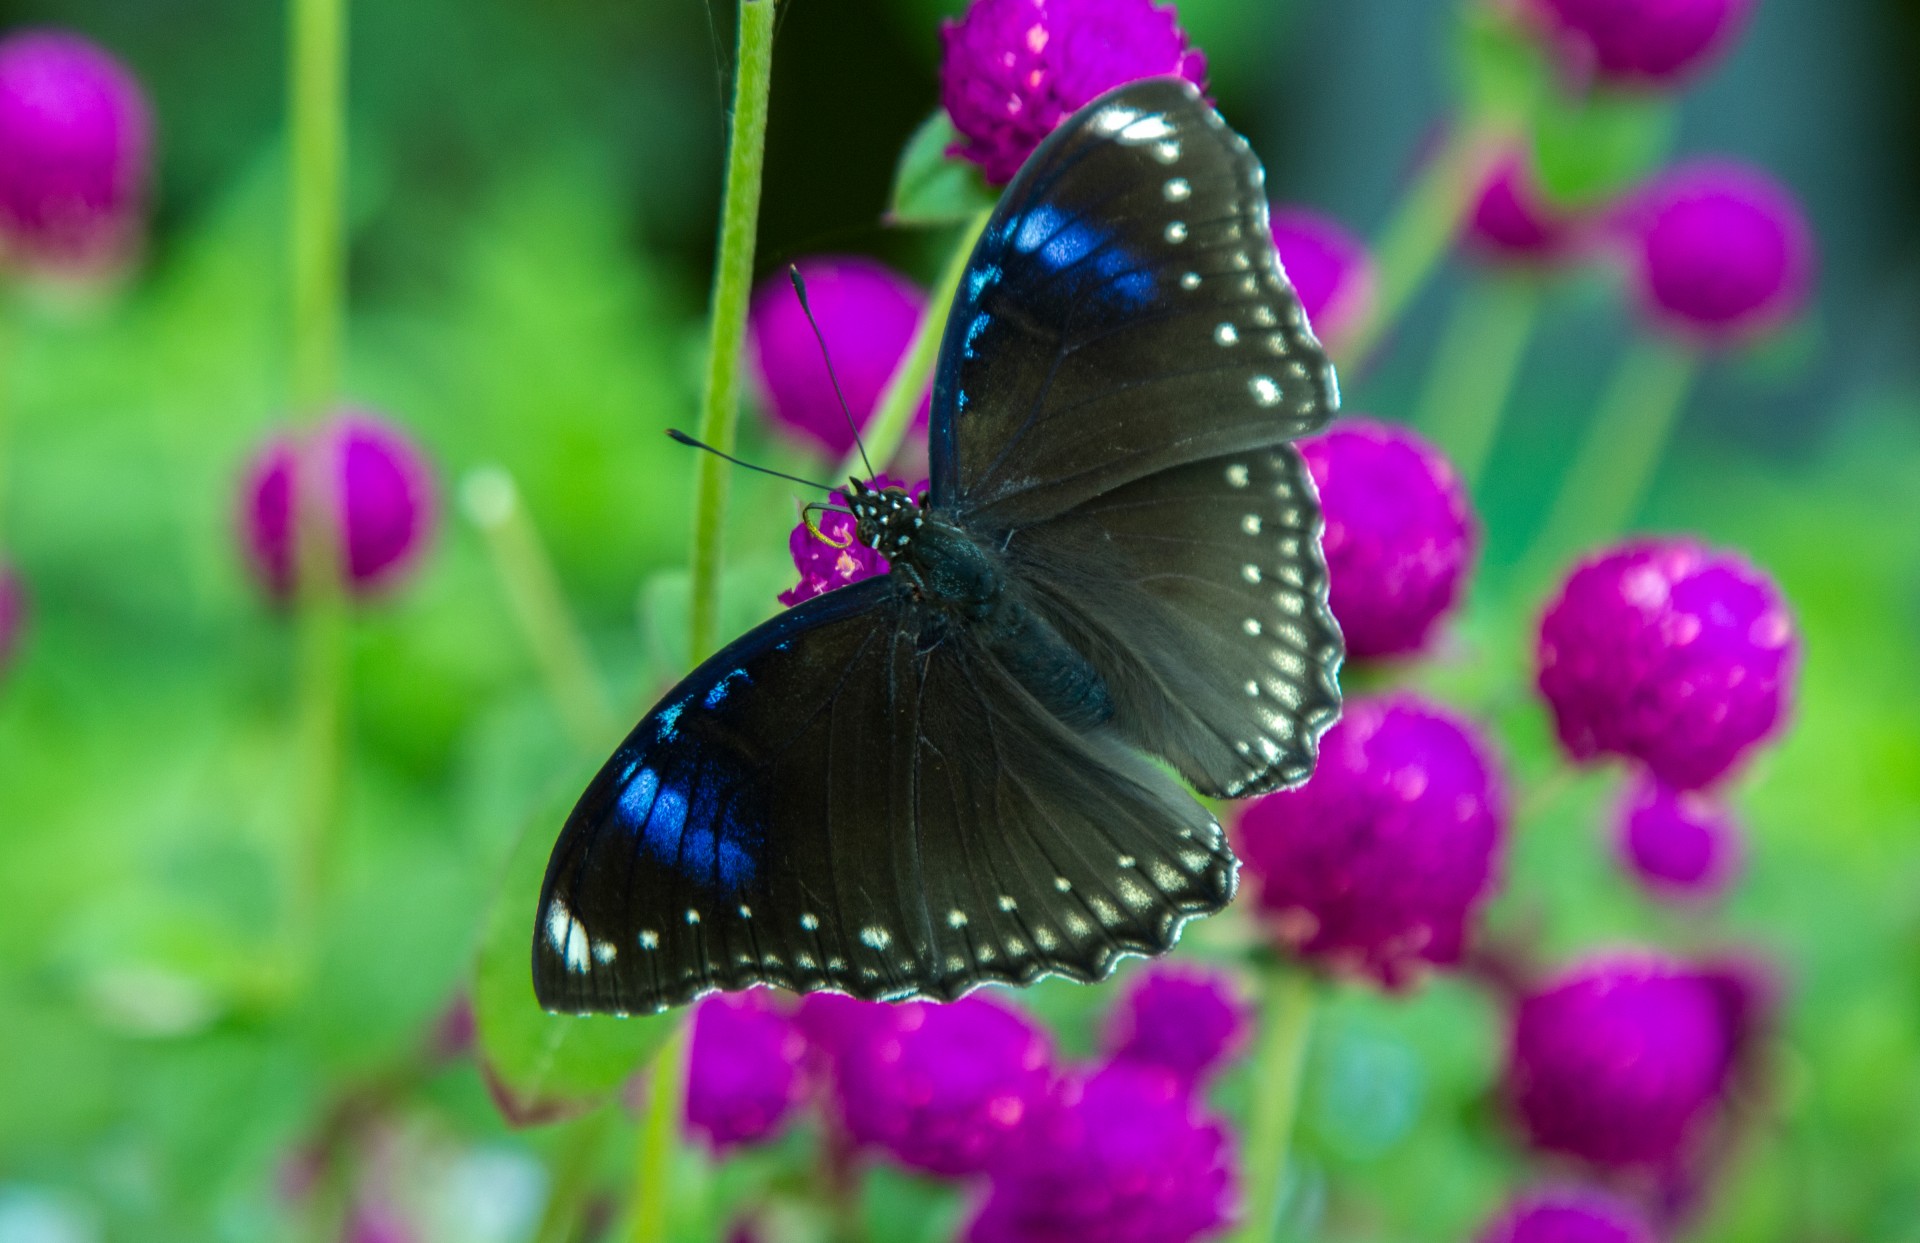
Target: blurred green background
(534, 190)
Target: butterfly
(946, 775)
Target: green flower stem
(492, 503)
(901, 398)
(1608, 481)
(1286, 1022)
(1421, 232)
(1474, 373)
(660, 1129)
(7, 345)
(732, 287)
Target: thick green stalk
(1614, 467)
(1286, 1023)
(894, 413)
(1474, 372)
(732, 288)
(660, 1133)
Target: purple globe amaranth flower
(380, 499)
(868, 314)
(1569, 1216)
(1122, 1155)
(1012, 70)
(1513, 224)
(1188, 1020)
(1677, 842)
(1623, 1061)
(1330, 269)
(1670, 654)
(1378, 861)
(942, 1087)
(1722, 251)
(1641, 42)
(13, 614)
(1399, 536)
(745, 1070)
(827, 554)
(75, 139)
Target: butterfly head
(885, 519)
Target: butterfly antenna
(800, 291)
(681, 437)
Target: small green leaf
(1503, 71)
(1588, 151)
(931, 187)
(543, 1067)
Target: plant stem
(1614, 466)
(492, 503)
(659, 1131)
(1286, 1022)
(893, 415)
(1474, 372)
(732, 287)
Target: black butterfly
(934, 778)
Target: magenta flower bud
(744, 1070)
(1330, 269)
(833, 557)
(380, 500)
(1513, 224)
(1012, 70)
(1623, 1061)
(1124, 1155)
(1188, 1020)
(1570, 1216)
(13, 614)
(1670, 654)
(941, 1087)
(1680, 843)
(1399, 537)
(1723, 251)
(868, 314)
(1379, 861)
(1642, 42)
(75, 134)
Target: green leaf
(1588, 151)
(1503, 72)
(931, 187)
(544, 1067)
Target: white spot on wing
(649, 939)
(604, 951)
(1177, 232)
(1237, 475)
(876, 937)
(956, 919)
(1177, 190)
(1250, 572)
(1226, 334)
(809, 923)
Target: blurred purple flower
(745, 1071)
(1379, 861)
(1185, 1019)
(1642, 42)
(1330, 270)
(13, 614)
(75, 134)
(1722, 251)
(823, 564)
(1623, 1060)
(1512, 222)
(1012, 70)
(374, 1222)
(868, 314)
(834, 1024)
(1678, 842)
(941, 1087)
(381, 501)
(1670, 654)
(1124, 1155)
(1399, 534)
(1569, 1216)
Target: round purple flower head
(75, 134)
(745, 1068)
(13, 614)
(1513, 223)
(1642, 42)
(1329, 268)
(1012, 70)
(833, 557)
(1376, 864)
(941, 1087)
(1622, 1061)
(1124, 1155)
(1188, 1020)
(867, 312)
(1569, 1217)
(1670, 654)
(1679, 842)
(381, 501)
(1723, 251)
(1399, 536)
